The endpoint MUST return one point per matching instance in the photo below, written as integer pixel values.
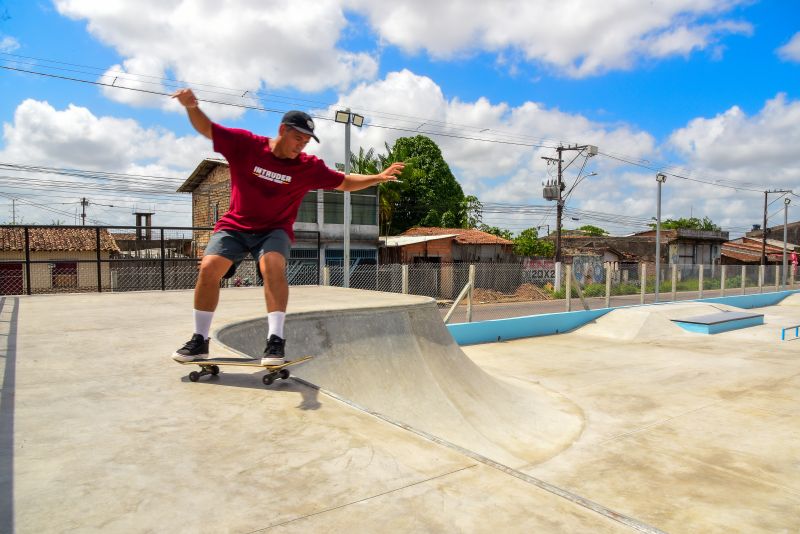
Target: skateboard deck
(210, 366)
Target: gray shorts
(236, 246)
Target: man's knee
(214, 270)
(273, 266)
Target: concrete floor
(101, 431)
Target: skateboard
(210, 366)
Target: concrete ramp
(647, 323)
(791, 300)
(401, 362)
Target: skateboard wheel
(214, 370)
(268, 379)
(284, 374)
(194, 376)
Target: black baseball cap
(300, 121)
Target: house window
(363, 204)
(308, 208)
(215, 213)
(334, 207)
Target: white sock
(202, 322)
(275, 320)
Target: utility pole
(786, 202)
(84, 203)
(764, 228)
(548, 195)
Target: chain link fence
(36, 260)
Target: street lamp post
(346, 117)
(660, 178)
(786, 202)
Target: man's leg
(206, 290)
(206, 297)
(276, 288)
(276, 294)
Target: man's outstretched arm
(356, 182)
(198, 119)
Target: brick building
(446, 245)
(62, 259)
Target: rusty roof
(56, 239)
(200, 173)
(463, 236)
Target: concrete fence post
(557, 282)
(761, 278)
(643, 282)
(326, 276)
(723, 270)
(777, 277)
(700, 281)
(608, 285)
(469, 293)
(568, 287)
(744, 279)
(674, 282)
(404, 279)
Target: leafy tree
(527, 243)
(364, 162)
(499, 232)
(588, 229)
(429, 194)
(692, 223)
(473, 210)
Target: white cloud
(8, 44)
(757, 152)
(574, 37)
(241, 44)
(495, 172)
(791, 50)
(76, 138)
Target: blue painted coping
(720, 327)
(558, 323)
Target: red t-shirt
(266, 191)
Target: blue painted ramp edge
(720, 327)
(558, 323)
(519, 327)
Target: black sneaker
(194, 349)
(273, 354)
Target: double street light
(347, 118)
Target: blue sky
(701, 89)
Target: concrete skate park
(626, 422)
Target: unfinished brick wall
(211, 198)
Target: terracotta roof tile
(464, 236)
(60, 239)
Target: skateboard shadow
(310, 396)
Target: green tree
(429, 194)
(691, 223)
(527, 243)
(473, 212)
(499, 232)
(588, 229)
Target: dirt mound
(525, 292)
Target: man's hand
(198, 119)
(391, 173)
(186, 98)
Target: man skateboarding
(269, 178)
